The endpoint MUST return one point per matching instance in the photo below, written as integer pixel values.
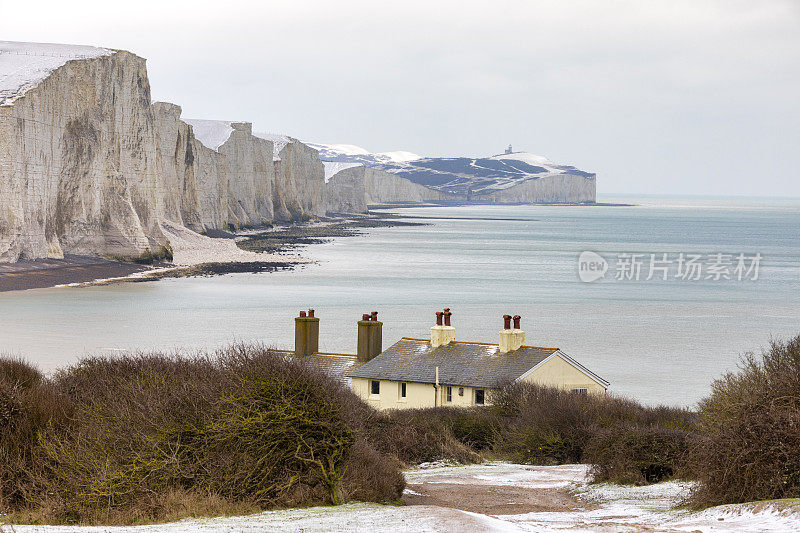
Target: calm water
(659, 341)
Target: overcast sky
(683, 97)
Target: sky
(656, 97)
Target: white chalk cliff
(88, 165)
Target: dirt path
(491, 500)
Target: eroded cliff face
(354, 189)
(182, 191)
(79, 165)
(384, 187)
(560, 188)
(250, 177)
(345, 191)
(299, 182)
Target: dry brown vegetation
(132, 439)
(749, 431)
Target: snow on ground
(333, 168)
(498, 473)
(344, 518)
(212, 133)
(279, 142)
(532, 159)
(608, 508)
(525, 157)
(190, 248)
(344, 149)
(399, 156)
(25, 65)
(362, 154)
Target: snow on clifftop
(25, 65)
(279, 142)
(211, 133)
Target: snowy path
(595, 508)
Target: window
(374, 387)
(580, 391)
(479, 397)
(461, 391)
(449, 394)
(403, 391)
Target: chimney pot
(302, 313)
(442, 334)
(374, 316)
(311, 313)
(511, 339)
(365, 317)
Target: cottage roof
(336, 365)
(465, 364)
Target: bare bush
(113, 440)
(749, 444)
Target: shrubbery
(637, 454)
(626, 441)
(749, 443)
(123, 439)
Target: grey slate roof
(463, 364)
(336, 365)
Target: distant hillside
(463, 176)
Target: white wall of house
(557, 372)
(418, 395)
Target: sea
(660, 297)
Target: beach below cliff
(253, 250)
(42, 273)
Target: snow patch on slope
(525, 157)
(344, 149)
(399, 156)
(212, 133)
(25, 65)
(332, 168)
(353, 153)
